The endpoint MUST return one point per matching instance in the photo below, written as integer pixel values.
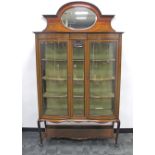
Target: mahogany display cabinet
(78, 58)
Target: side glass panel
(54, 77)
(102, 77)
(78, 77)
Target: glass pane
(102, 77)
(78, 77)
(102, 106)
(78, 18)
(54, 75)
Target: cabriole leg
(45, 129)
(40, 136)
(45, 124)
(117, 131)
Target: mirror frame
(73, 28)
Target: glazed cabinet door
(54, 64)
(102, 76)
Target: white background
(122, 22)
(17, 21)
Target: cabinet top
(78, 17)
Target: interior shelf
(78, 60)
(77, 79)
(102, 60)
(103, 79)
(53, 79)
(95, 79)
(61, 60)
(95, 60)
(99, 108)
(47, 94)
(105, 96)
(75, 96)
(81, 60)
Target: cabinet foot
(40, 135)
(117, 131)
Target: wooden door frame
(39, 80)
(87, 37)
(115, 114)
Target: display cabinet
(78, 58)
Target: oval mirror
(78, 18)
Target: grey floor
(73, 147)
